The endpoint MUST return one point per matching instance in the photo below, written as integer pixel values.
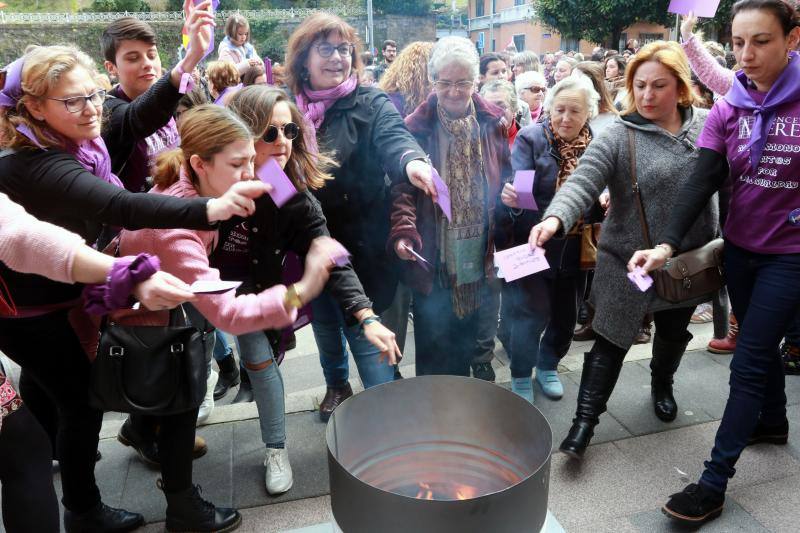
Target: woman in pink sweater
(216, 152)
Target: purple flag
(701, 8)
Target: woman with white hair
(545, 305)
(525, 61)
(466, 140)
(531, 88)
(502, 94)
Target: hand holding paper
(283, 189)
(523, 185)
(520, 261)
(421, 260)
(640, 278)
(443, 194)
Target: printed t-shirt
(232, 257)
(764, 214)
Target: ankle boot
(188, 511)
(245, 394)
(228, 377)
(666, 358)
(600, 373)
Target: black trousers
(48, 350)
(26, 473)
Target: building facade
(495, 24)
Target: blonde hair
(221, 75)
(671, 56)
(205, 131)
(254, 105)
(43, 69)
(408, 75)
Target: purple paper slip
(443, 192)
(640, 278)
(701, 8)
(520, 261)
(340, 256)
(523, 185)
(283, 189)
(421, 260)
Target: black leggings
(671, 325)
(26, 474)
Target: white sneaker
(279, 471)
(208, 402)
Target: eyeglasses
(461, 86)
(326, 49)
(290, 131)
(536, 90)
(76, 104)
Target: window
(645, 38)
(479, 8)
(519, 42)
(570, 44)
(481, 44)
(623, 39)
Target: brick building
(515, 21)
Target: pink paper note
(523, 184)
(340, 256)
(520, 261)
(701, 8)
(640, 278)
(444, 194)
(283, 189)
(209, 286)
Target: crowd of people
(666, 144)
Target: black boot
(187, 512)
(600, 373)
(228, 376)
(245, 394)
(102, 518)
(666, 358)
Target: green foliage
(403, 7)
(44, 6)
(600, 21)
(118, 6)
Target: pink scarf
(314, 104)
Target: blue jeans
(333, 336)
(765, 295)
(221, 348)
(267, 383)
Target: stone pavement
(635, 461)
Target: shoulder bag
(686, 276)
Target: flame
(425, 492)
(458, 492)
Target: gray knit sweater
(664, 161)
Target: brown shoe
(727, 344)
(644, 336)
(200, 447)
(333, 397)
(585, 333)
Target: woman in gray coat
(664, 126)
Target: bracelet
(292, 297)
(125, 274)
(370, 320)
(187, 81)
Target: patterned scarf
(570, 152)
(463, 240)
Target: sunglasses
(290, 131)
(535, 90)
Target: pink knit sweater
(184, 253)
(34, 247)
(713, 75)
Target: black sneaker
(770, 434)
(694, 505)
(483, 371)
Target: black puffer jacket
(372, 145)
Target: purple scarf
(314, 104)
(784, 90)
(92, 155)
(225, 91)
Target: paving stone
(287, 516)
(733, 519)
(773, 504)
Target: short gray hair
(449, 50)
(526, 79)
(529, 60)
(494, 86)
(583, 85)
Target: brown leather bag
(590, 236)
(687, 276)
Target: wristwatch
(292, 297)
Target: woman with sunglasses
(255, 252)
(361, 126)
(55, 165)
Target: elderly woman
(545, 305)
(526, 61)
(466, 140)
(235, 47)
(564, 68)
(655, 135)
(362, 128)
(501, 93)
(531, 87)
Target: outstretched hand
(649, 260)
(687, 26)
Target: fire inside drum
(438, 454)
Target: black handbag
(150, 370)
(687, 276)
